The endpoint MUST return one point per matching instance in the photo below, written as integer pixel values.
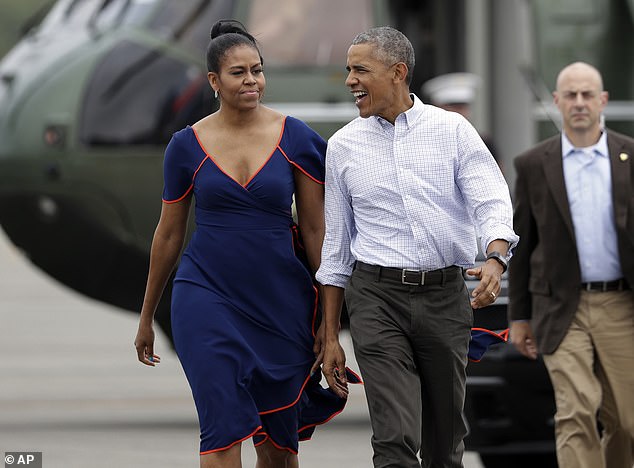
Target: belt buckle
(413, 272)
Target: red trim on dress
(232, 443)
(169, 202)
(503, 335)
(275, 410)
(319, 423)
(256, 172)
(279, 447)
(263, 434)
(356, 375)
(277, 145)
(193, 176)
(300, 167)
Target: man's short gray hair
(392, 47)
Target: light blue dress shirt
(589, 188)
(416, 194)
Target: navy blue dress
(244, 305)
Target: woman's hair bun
(226, 34)
(228, 26)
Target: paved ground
(70, 387)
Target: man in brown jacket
(570, 281)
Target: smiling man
(408, 185)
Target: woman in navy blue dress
(243, 304)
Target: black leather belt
(603, 286)
(411, 277)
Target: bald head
(580, 70)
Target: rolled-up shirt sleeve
(485, 190)
(336, 258)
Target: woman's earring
(216, 94)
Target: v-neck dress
(243, 303)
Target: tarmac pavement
(71, 387)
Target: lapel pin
(624, 157)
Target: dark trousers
(411, 346)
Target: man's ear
(604, 96)
(400, 71)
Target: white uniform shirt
(411, 195)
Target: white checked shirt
(411, 195)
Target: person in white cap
(453, 91)
(456, 92)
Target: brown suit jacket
(544, 273)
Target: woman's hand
(318, 348)
(144, 344)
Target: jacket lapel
(554, 170)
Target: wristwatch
(498, 257)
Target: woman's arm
(309, 199)
(167, 244)
(309, 202)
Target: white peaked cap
(452, 88)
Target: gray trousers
(411, 345)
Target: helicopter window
(137, 11)
(113, 13)
(68, 13)
(102, 14)
(189, 21)
(79, 12)
(307, 33)
(139, 96)
(51, 20)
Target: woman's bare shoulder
(208, 122)
(271, 115)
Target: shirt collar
(411, 115)
(600, 147)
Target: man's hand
(490, 276)
(334, 368)
(523, 339)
